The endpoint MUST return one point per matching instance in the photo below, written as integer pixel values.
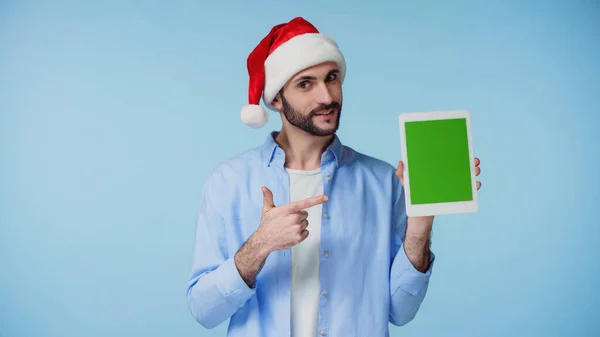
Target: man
(303, 236)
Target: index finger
(297, 206)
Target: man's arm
(412, 264)
(219, 284)
(417, 242)
(250, 259)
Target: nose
(323, 94)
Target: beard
(305, 122)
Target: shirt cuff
(231, 284)
(406, 276)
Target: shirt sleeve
(408, 286)
(215, 288)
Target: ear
(277, 102)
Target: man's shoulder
(366, 161)
(249, 157)
(235, 168)
(379, 171)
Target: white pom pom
(254, 116)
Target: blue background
(112, 113)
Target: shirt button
(323, 333)
(324, 293)
(328, 156)
(326, 215)
(328, 177)
(326, 253)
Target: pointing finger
(297, 206)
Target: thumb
(400, 172)
(267, 199)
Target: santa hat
(288, 49)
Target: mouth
(325, 112)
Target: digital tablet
(439, 165)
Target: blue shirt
(368, 278)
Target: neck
(302, 150)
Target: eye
(303, 84)
(331, 77)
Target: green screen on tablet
(438, 161)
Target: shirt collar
(272, 153)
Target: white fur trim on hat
(254, 116)
(295, 55)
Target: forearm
(216, 293)
(250, 259)
(417, 242)
(410, 272)
(406, 299)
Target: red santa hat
(288, 49)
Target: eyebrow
(307, 77)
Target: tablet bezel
(443, 207)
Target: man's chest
(355, 221)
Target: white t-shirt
(305, 256)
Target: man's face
(312, 100)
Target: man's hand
(429, 219)
(280, 228)
(418, 229)
(284, 226)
